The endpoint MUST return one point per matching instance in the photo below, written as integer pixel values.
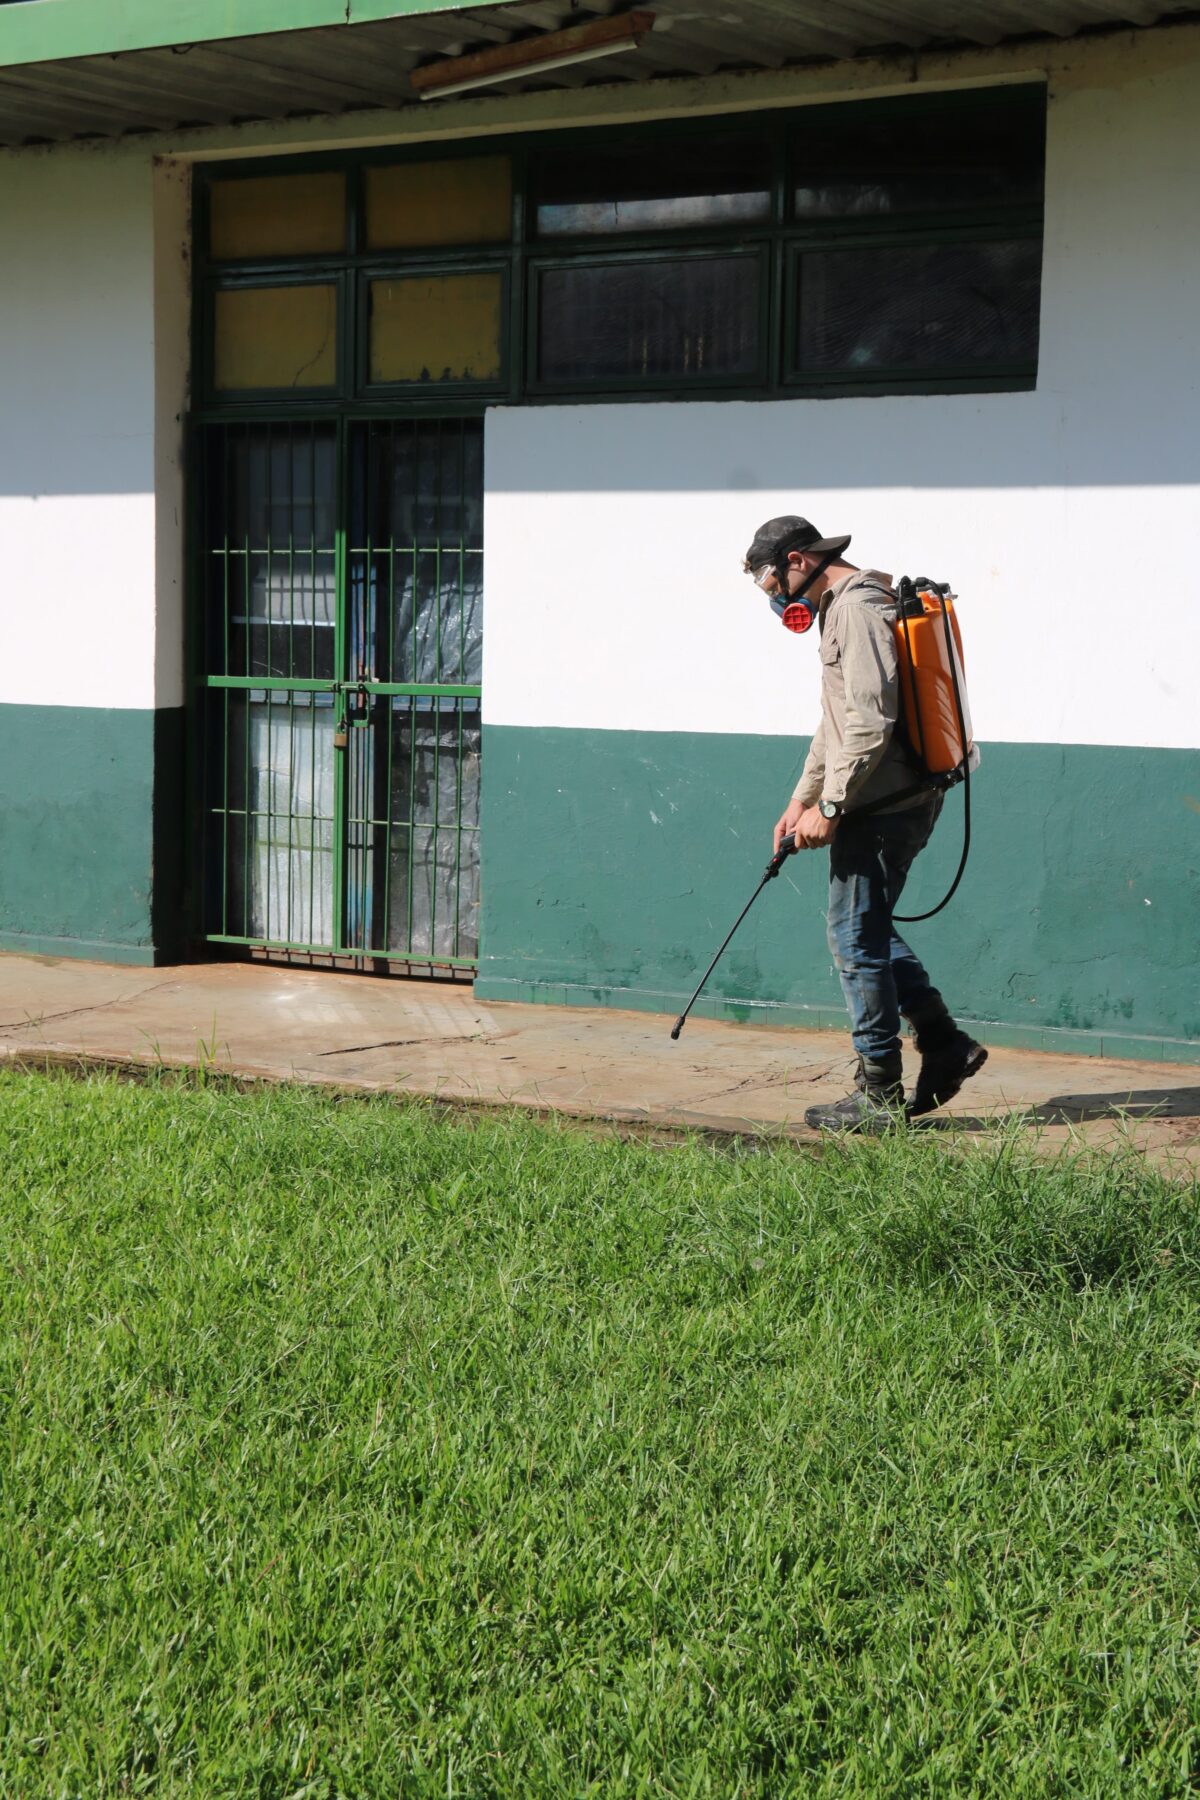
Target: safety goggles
(762, 575)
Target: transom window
(875, 246)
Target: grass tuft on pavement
(356, 1450)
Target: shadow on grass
(1079, 1109)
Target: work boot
(876, 1104)
(948, 1058)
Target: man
(855, 797)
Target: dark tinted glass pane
(416, 562)
(641, 321)
(916, 155)
(949, 307)
(432, 840)
(667, 186)
(269, 547)
(412, 827)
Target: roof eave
(58, 30)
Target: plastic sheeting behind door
(290, 873)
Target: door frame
(199, 683)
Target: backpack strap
(932, 784)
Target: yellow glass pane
(275, 337)
(436, 328)
(412, 204)
(277, 215)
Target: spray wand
(787, 846)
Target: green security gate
(343, 596)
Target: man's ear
(795, 556)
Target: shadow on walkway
(1079, 1109)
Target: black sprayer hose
(787, 846)
(916, 918)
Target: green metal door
(343, 610)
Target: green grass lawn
(354, 1450)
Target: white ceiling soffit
(339, 69)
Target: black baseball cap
(773, 540)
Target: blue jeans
(869, 860)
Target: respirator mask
(796, 614)
(768, 556)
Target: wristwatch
(829, 809)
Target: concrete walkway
(430, 1037)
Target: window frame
(536, 385)
(728, 128)
(917, 220)
(310, 275)
(472, 150)
(999, 376)
(778, 241)
(496, 387)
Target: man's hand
(812, 829)
(787, 824)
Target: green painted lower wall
(614, 863)
(80, 791)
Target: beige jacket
(857, 754)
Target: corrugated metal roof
(345, 68)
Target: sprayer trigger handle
(787, 846)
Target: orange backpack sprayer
(930, 655)
(936, 721)
(929, 652)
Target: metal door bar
(302, 632)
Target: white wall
(1067, 518)
(592, 510)
(172, 201)
(79, 553)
